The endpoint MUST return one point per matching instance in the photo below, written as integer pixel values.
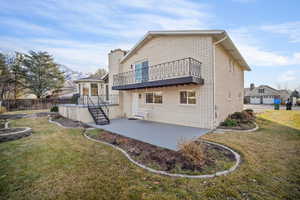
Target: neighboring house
(192, 78)
(67, 91)
(264, 94)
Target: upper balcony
(177, 72)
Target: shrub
(54, 109)
(230, 122)
(249, 111)
(192, 150)
(2, 109)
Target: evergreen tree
(41, 73)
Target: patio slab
(159, 134)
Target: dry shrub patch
(194, 157)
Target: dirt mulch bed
(11, 130)
(241, 126)
(215, 159)
(68, 122)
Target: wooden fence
(34, 104)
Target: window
(187, 97)
(94, 89)
(79, 89)
(157, 97)
(149, 97)
(154, 97)
(261, 90)
(141, 71)
(85, 90)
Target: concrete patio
(159, 134)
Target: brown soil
(11, 130)
(68, 123)
(216, 158)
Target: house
(264, 94)
(68, 90)
(190, 78)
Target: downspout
(214, 81)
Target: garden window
(187, 97)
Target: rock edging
(15, 135)
(220, 130)
(220, 173)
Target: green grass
(57, 163)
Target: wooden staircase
(97, 111)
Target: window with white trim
(154, 97)
(187, 97)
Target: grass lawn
(26, 112)
(57, 163)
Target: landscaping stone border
(221, 130)
(15, 135)
(220, 173)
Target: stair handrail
(101, 102)
(90, 102)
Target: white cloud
(255, 54)
(82, 32)
(79, 56)
(291, 29)
(289, 75)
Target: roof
(217, 34)
(272, 91)
(90, 79)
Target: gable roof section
(217, 34)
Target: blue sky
(80, 33)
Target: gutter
(214, 81)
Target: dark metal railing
(168, 70)
(100, 104)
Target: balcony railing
(112, 99)
(186, 67)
